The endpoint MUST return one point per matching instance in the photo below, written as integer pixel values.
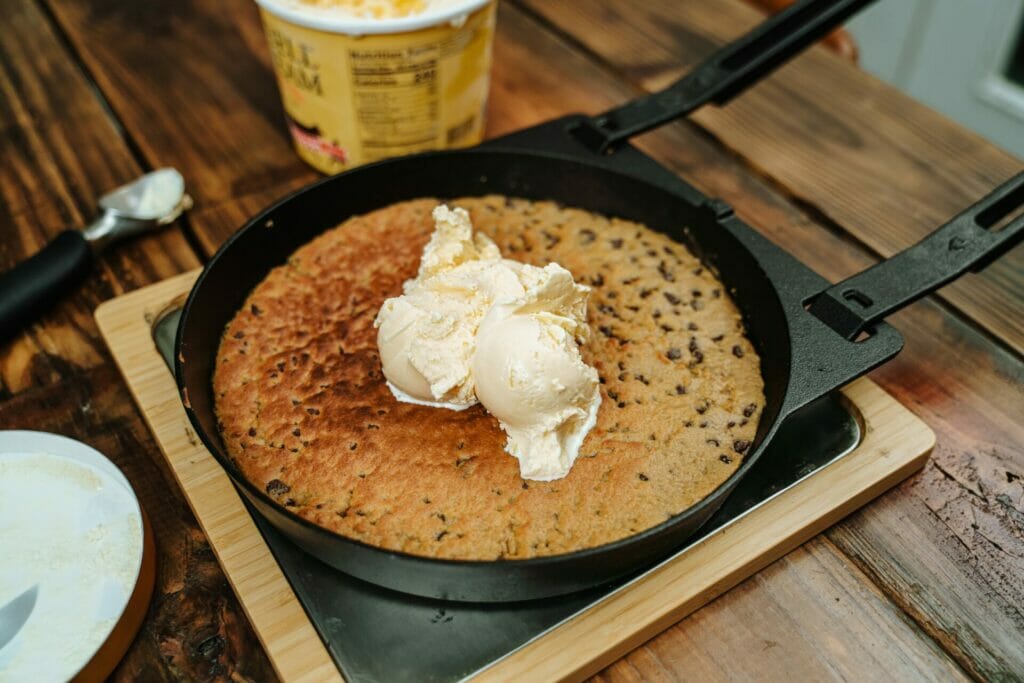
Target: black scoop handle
(34, 285)
(723, 75)
(970, 241)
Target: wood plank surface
(61, 152)
(539, 74)
(858, 154)
(217, 116)
(986, 392)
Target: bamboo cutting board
(895, 443)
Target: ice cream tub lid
(337, 20)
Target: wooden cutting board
(894, 445)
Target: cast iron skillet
(812, 337)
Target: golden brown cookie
(307, 416)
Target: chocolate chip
(750, 410)
(630, 280)
(698, 357)
(621, 404)
(597, 280)
(352, 446)
(702, 407)
(715, 293)
(694, 348)
(440, 535)
(667, 328)
(680, 389)
(281, 366)
(587, 236)
(622, 377)
(740, 445)
(296, 432)
(697, 293)
(616, 243)
(276, 487)
(645, 292)
(730, 424)
(672, 298)
(674, 353)
(703, 424)
(666, 274)
(605, 330)
(642, 477)
(612, 295)
(239, 335)
(613, 395)
(737, 351)
(252, 431)
(256, 310)
(725, 458)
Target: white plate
(70, 523)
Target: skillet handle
(723, 75)
(969, 241)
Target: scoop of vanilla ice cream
(473, 326)
(426, 336)
(529, 375)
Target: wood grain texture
(217, 116)
(539, 74)
(60, 152)
(768, 636)
(856, 152)
(800, 600)
(974, 406)
(193, 630)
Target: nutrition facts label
(396, 96)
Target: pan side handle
(969, 241)
(723, 75)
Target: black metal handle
(31, 287)
(970, 241)
(723, 75)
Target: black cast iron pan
(812, 337)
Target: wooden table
(833, 165)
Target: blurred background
(964, 58)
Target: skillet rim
(714, 498)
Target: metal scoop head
(149, 202)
